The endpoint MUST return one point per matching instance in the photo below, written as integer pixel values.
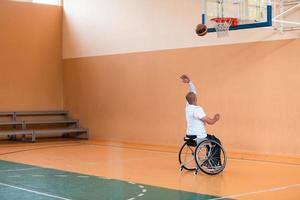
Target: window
(50, 2)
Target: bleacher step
(40, 125)
(41, 113)
(60, 130)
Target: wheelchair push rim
(207, 161)
(186, 157)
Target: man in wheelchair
(197, 119)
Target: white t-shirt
(194, 114)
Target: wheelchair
(208, 156)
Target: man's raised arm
(187, 80)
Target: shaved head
(191, 98)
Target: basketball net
(222, 25)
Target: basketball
(201, 29)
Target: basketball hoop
(222, 25)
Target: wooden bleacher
(35, 123)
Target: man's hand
(185, 78)
(217, 117)
(211, 121)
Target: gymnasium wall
(105, 27)
(138, 97)
(30, 56)
(123, 59)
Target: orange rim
(233, 20)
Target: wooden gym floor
(87, 170)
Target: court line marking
(37, 175)
(266, 162)
(50, 143)
(33, 191)
(83, 176)
(39, 148)
(139, 195)
(171, 152)
(79, 143)
(257, 192)
(157, 151)
(17, 170)
(132, 148)
(61, 175)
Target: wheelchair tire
(207, 161)
(187, 152)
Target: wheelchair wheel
(187, 157)
(210, 157)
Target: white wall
(101, 27)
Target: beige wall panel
(30, 56)
(138, 97)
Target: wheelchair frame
(202, 156)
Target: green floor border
(27, 182)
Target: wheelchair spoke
(191, 149)
(202, 162)
(186, 157)
(201, 155)
(212, 155)
(191, 160)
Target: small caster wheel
(181, 168)
(196, 172)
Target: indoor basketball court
(148, 99)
